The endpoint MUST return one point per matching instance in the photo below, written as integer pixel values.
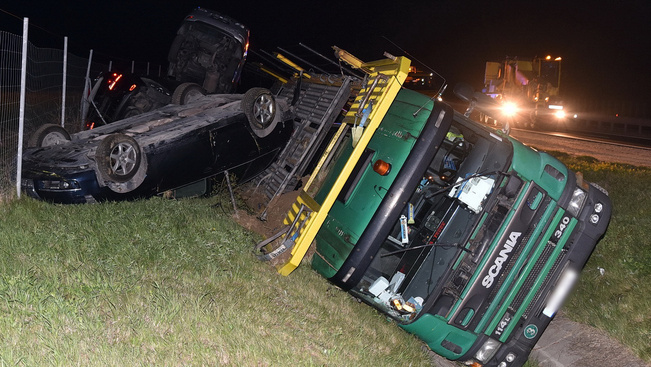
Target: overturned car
(161, 150)
(206, 57)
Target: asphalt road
(598, 148)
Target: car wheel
(119, 157)
(48, 134)
(133, 111)
(260, 109)
(186, 93)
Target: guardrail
(620, 126)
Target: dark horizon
(604, 48)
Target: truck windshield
(438, 221)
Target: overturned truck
(461, 234)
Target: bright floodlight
(510, 109)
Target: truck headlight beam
(510, 109)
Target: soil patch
(257, 202)
(275, 214)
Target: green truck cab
(461, 234)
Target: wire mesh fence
(10, 66)
(44, 95)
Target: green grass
(162, 282)
(618, 301)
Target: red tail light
(112, 83)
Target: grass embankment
(160, 283)
(614, 293)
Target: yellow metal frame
(274, 74)
(390, 73)
(282, 58)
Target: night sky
(605, 46)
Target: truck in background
(462, 235)
(528, 91)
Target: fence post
(21, 113)
(65, 78)
(85, 103)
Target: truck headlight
(510, 109)
(487, 351)
(576, 202)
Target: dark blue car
(161, 150)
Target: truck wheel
(186, 93)
(119, 157)
(48, 134)
(260, 109)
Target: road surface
(597, 148)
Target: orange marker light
(381, 167)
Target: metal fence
(41, 87)
(52, 84)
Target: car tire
(187, 93)
(132, 111)
(260, 109)
(48, 134)
(119, 157)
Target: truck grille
(517, 302)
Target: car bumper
(78, 188)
